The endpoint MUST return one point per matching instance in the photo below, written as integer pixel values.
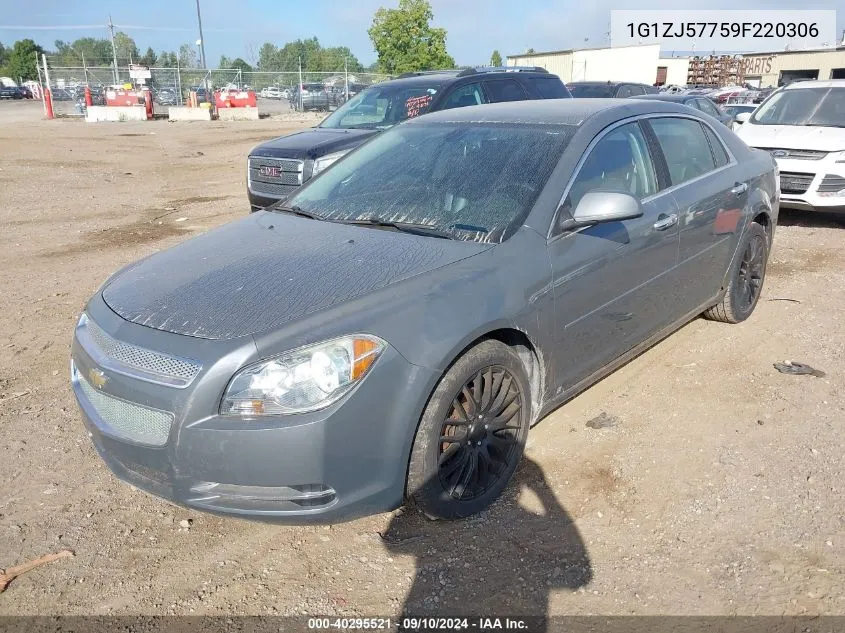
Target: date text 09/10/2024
(420, 624)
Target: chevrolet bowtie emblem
(97, 378)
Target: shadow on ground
(811, 219)
(505, 561)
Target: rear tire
(472, 433)
(745, 282)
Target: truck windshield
(476, 182)
(824, 107)
(380, 107)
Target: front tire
(472, 433)
(746, 279)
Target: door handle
(739, 189)
(665, 221)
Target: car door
(710, 199)
(609, 279)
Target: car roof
(664, 97)
(603, 83)
(550, 111)
(449, 76)
(830, 83)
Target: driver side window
(620, 161)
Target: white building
(640, 64)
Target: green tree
(530, 51)
(21, 60)
(241, 65)
(234, 64)
(496, 58)
(93, 51)
(333, 59)
(4, 55)
(188, 57)
(405, 40)
(148, 59)
(126, 49)
(167, 59)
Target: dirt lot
(720, 490)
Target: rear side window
(468, 95)
(719, 153)
(505, 90)
(685, 147)
(548, 87)
(624, 91)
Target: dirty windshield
(475, 181)
(380, 107)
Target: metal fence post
(179, 82)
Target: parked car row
(15, 92)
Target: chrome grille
(140, 363)
(798, 154)
(794, 182)
(832, 184)
(127, 420)
(288, 178)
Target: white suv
(803, 126)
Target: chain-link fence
(172, 86)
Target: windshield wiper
(295, 210)
(405, 227)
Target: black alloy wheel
(480, 436)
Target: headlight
(306, 379)
(322, 163)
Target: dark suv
(609, 89)
(277, 168)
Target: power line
(63, 27)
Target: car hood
(823, 139)
(312, 143)
(259, 273)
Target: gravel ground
(717, 491)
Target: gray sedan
(394, 329)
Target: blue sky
(237, 28)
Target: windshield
(380, 107)
(804, 106)
(593, 91)
(475, 181)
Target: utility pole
(300, 83)
(202, 39)
(113, 49)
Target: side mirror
(742, 117)
(597, 207)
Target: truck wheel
(746, 279)
(472, 433)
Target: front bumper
(347, 460)
(822, 179)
